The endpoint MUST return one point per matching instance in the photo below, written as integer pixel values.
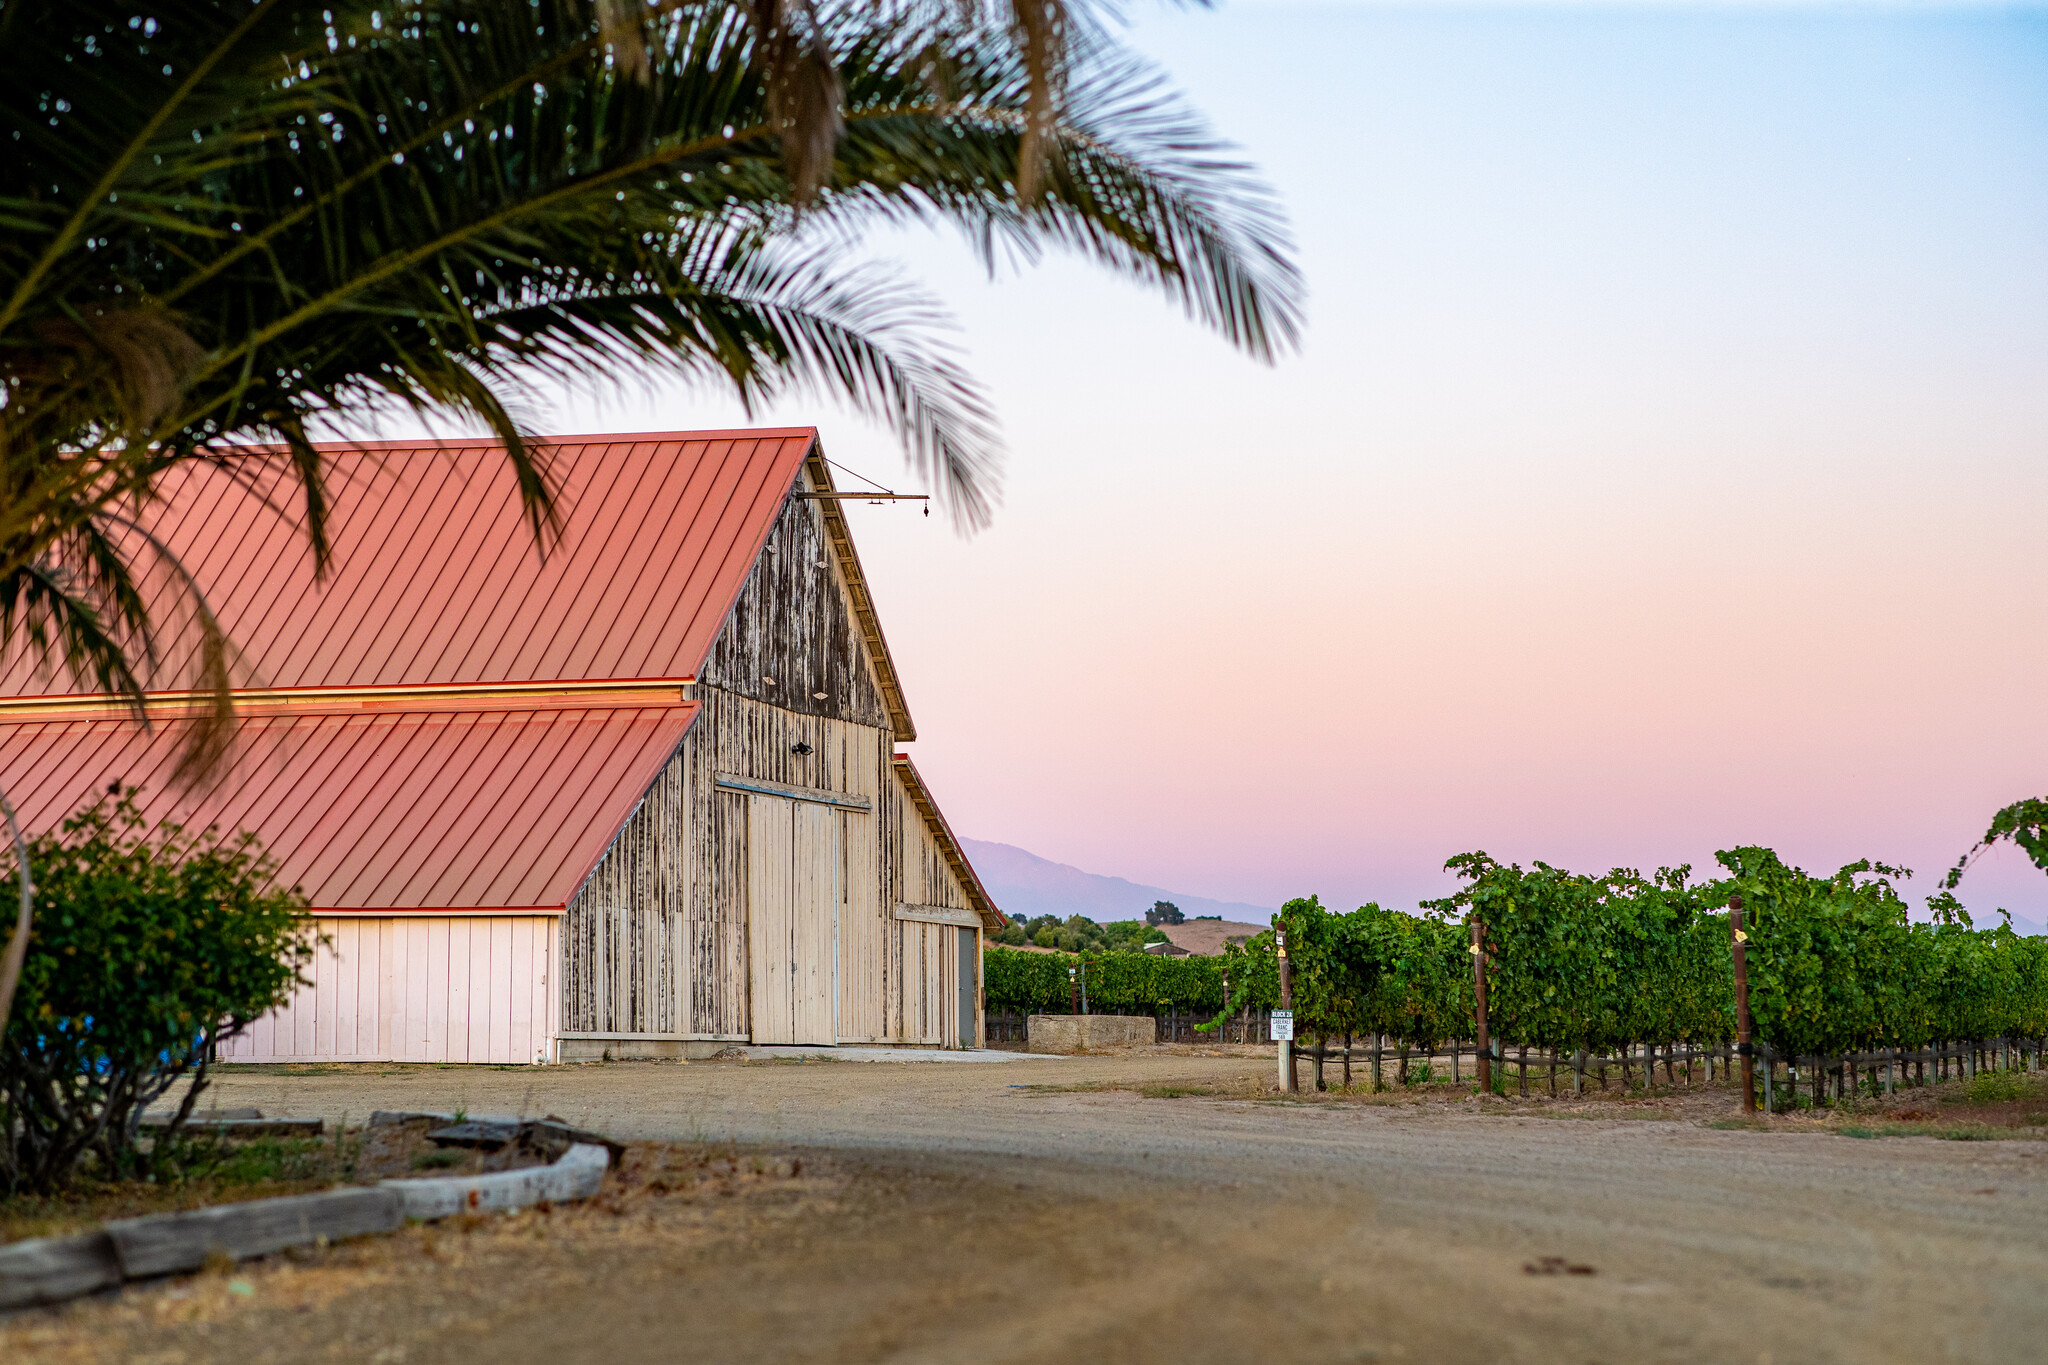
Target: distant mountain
(1025, 885)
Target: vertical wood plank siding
(624, 931)
(926, 1002)
(792, 634)
(425, 988)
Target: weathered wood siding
(417, 988)
(623, 934)
(925, 1004)
(792, 640)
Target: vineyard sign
(1283, 1026)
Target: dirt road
(968, 1213)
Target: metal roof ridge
(343, 447)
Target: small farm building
(639, 796)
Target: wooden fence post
(1743, 1044)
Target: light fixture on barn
(800, 748)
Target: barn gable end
(811, 783)
(793, 639)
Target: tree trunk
(17, 943)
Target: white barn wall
(417, 988)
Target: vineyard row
(1597, 965)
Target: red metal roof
(414, 736)
(406, 810)
(437, 578)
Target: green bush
(150, 945)
(1997, 1087)
(1118, 982)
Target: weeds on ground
(201, 1171)
(1151, 1090)
(1999, 1087)
(1991, 1106)
(438, 1160)
(1952, 1132)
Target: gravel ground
(986, 1213)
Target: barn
(640, 796)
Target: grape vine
(1575, 961)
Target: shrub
(1997, 1087)
(151, 944)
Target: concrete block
(1087, 1032)
(639, 1049)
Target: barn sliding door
(793, 892)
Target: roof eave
(956, 856)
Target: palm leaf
(251, 221)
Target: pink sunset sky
(1665, 466)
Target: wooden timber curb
(48, 1270)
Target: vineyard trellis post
(1744, 1046)
(1285, 1045)
(1483, 1060)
